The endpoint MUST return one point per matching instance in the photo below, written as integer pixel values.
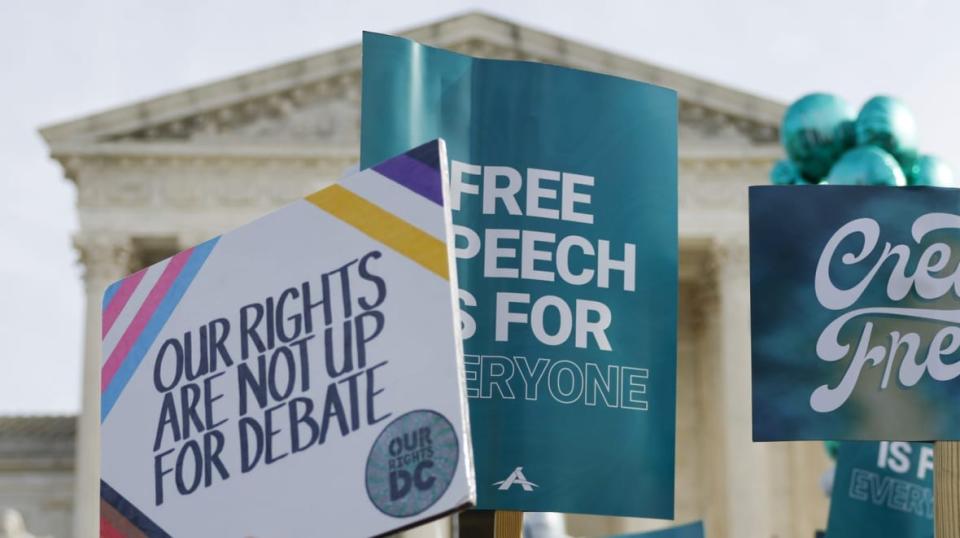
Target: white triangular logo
(516, 477)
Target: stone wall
(36, 472)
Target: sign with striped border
(298, 376)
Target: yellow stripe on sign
(384, 227)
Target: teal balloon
(867, 165)
(931, 171)
(817, 129)
(832, 448)
(887, 123)
(784, 172)
(908, 160)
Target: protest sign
(855, 305)
(564, 193)
(882, 489)
(298, 376)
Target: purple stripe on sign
(413, 175)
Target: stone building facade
(163, 174)
(36, 474)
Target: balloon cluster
(827, 143)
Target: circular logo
(412, 463)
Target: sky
(62, 60)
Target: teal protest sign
(855, 306)
(882, 489)
(565, 214)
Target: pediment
(324, 112)
(315, 100)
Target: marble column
(811, 505)
(746, 506)
(104, 260)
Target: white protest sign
(298, 376)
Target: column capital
(730, 256)
(192, 237)
(727, 269)
(105, 258)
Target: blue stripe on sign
(156, 323)
(110, 292)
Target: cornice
(176, 150)
(77, 157)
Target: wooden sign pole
(507, 524)
(489, 523)
(946, 485)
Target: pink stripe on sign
(143, 316)
(119, 300)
